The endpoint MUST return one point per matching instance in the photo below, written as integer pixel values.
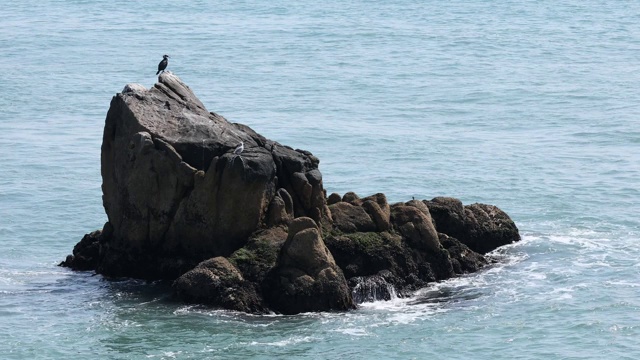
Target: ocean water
(533, 106)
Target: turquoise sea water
(533, 106)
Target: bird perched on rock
(163, 64)
(239, 149)
(236, 152)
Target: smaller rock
(382, 219)
(217, 282)
(414, 225)
(334, 198)
(306, 277)
(314, 177)
(86, 253)
(481, 227)
(133, 88)
(280, 209)
(448, 215)
(299, 224)
(259, 255)
(350, 197)
(463, 259)
(350, 218)
(420, 206)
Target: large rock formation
(174, 189)
(254, 232)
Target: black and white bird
(163, 64)
(239, 149)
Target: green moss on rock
(259, 255)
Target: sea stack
(260, 235)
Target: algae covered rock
(306, 277)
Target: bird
(236, 152)
(239, 149)
(163, 64)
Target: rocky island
(256, 231)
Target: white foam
(389, 305)
(623, 283)
(290, 341)
(166, 354)
(353, 331)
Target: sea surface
(532, 106)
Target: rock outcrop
(219, 283)
(306, 277)
(481, 227)
(173, 187)
(255, 232)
